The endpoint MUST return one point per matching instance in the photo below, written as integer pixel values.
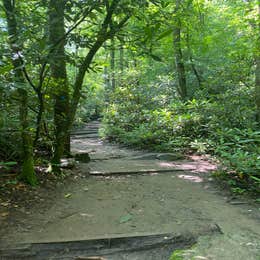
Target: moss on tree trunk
(180, 68)
(257, 72)
(60, 85)
(27, 173)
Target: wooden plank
(103, 246)
(149, 171)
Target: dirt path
(127, 193)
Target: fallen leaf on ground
(68, 195)
(86, 215)
(125, 218)
(5, 204)
(20, 186)
(4, 214)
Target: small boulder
(82, 157)
(68, 163)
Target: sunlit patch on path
(190, 178)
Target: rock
(68, 163)
(82, 157)
(170, 156)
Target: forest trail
(128, 193)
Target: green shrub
(223, 125)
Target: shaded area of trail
(127, 195)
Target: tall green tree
(115, 15)
(57, 41)
(179, 62)
(28, 173)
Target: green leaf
(125, 218)
(68, 195)
(8, 163)
(164, 34)
(255, 178)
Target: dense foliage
(219, 113)
(221, 126)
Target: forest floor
(128, 194)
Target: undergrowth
(223, 126)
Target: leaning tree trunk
(28, 173)
(180, 68)
(103, 35)
(192, 63)
(59, 81)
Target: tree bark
(106, 77)
(112, 64)
(257, 71)
(121, 57)
(39, 117)
(59, 80)
(180, 68)
(195, 71)
(27, 173)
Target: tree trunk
(60, 83)
(112, 64)
(102, 36)
(106, 76)
(80, 77)
(121, 57)
(28, 173)
(39, 117)
(180, 68)
(257, 72)
(27, 144)
(195, 71)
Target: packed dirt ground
(127, 193)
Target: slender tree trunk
(195, 71)
(80, 78)
(28, 173)
(106, 76)
(60, 83)
(257, 90)
(39, 117)
(180, 68)
(112, 64)
(102, 36)
(257, 71)
(121, 57)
